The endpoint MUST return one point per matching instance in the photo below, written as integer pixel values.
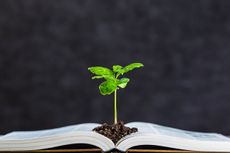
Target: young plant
(112, 82)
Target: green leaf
(97, 77)
(107, 87)
(109, 77)
(130, 67)
(117, 68)
(106, 77)
(123, 82)
(99, 70)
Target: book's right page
(157, 135)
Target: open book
(148, 134)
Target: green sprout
(112, 82)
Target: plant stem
(115, 107)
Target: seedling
(112, 82)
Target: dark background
(47, 46)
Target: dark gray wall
(47, 46)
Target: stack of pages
(148, 134)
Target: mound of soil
(115, 131)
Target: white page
(21, 135)
(143, 127)
(173, 132)
(157, 135)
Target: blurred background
(47, 46)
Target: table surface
(97, 150)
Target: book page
(157, 135)
(49, 138)
(151, 128)
(21, 135)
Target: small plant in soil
(112, 83)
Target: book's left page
(42, 139)
(21, 135)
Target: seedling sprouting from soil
(112, 81)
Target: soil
(115, 131)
